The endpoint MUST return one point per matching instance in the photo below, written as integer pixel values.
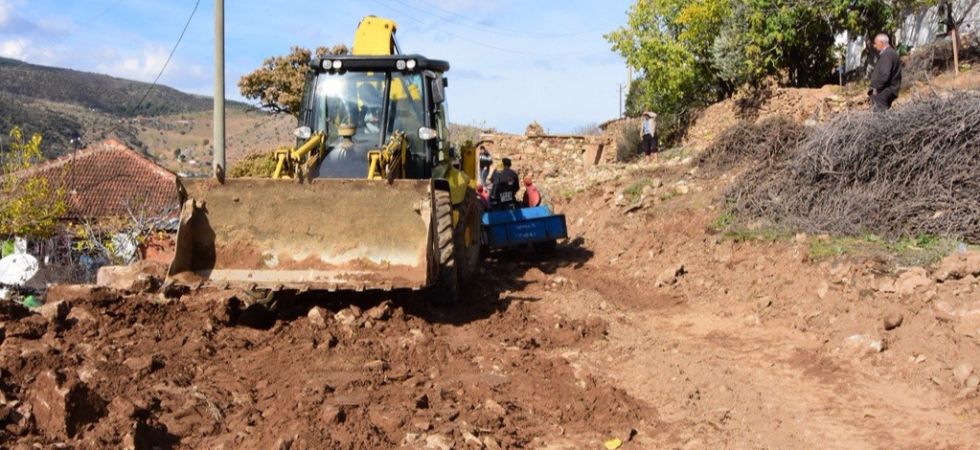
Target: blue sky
(512, 61)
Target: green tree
(29, 205)
(278, 84)
(670, 42)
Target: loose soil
(646, 326)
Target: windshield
(351, 108)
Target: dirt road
(646, 327)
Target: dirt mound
(747, 143)
(908, 172)
(211, 371)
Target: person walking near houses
(886, 80)
(648, 133)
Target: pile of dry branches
(937, 57)
(758, 143)
(911, 171)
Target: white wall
(918, 29)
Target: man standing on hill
(886, 79)
(648, 133)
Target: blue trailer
(536, 226)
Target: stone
(345, 317)
(495, 408)
(973, 382)
(962, 371)
(380, 312)
(333, 414)
(682, 189)
(822, 290)
(892, 320)
(438, 442)
(317, 317)
(471, 440)
(143, 364)
(670, 275)
(55, 312)
(912, 280)
(62, 406)
(144, 276)
(490, 443)
(860, 345)
(376, 365)
(958, 266)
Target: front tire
(446, 290)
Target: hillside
(69, 106)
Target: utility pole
(621, 87)
(218, 163)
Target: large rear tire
(446, 290)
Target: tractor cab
(381, 116)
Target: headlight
(400, 65)
(338, 64)
(411, 64)
(326, 64)
(427, 134)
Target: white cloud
(14, 48)
(144, 65)
(5, 8)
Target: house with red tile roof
(109, 180)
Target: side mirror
(438, 90)
(427, 134)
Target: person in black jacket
(886, 79)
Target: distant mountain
(68, 106)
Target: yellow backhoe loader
(373, 197)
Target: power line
(507, 31)
(169, 57)
(482, 44)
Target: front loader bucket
(322, 235)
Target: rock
(143, 364)
(380, 312)
(765, 302)
(471, 440)
(438, 442)
(682, 189)
(911, 281)
(670, 275)
(376, 365)
(973, 382)
(144, 276)
(317, 317)
(81, 315)
(892, 320)
(887, 287)
(957, 266)
(345, 317)
(55, 312)
(962, 371)
(822, 290)
(495, 408)
(861, 345)
(61, 406)
(332, 414)
(490, 443)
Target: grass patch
(920, 250)
(635, 191)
